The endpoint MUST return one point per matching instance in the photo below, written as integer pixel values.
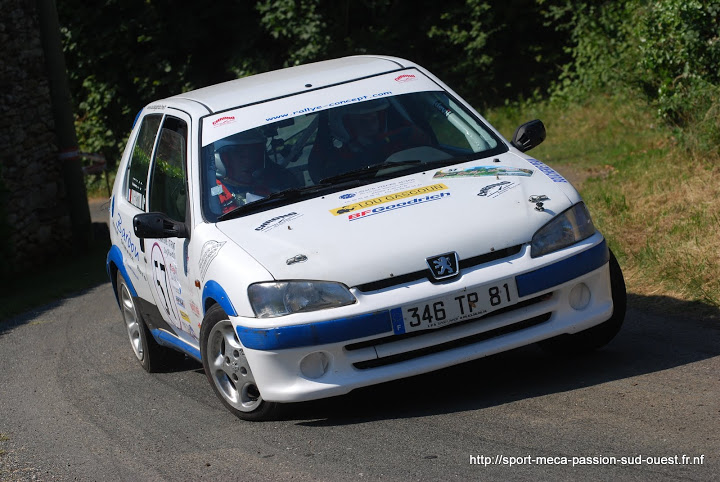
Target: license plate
(453, 308)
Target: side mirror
(529, 135)
(158, 225)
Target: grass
(658, 205)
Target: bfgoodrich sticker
(400, 205)
(388, 198)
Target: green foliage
(680, 54)
(602, 46)
(668, 51)
(123, 54)
(300, 24)
(679, 47)
(466, 29)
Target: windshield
(402, 133)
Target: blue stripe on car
(330, 331)
(115, 256)
(166, 339)
(563, 271)
(213, 290)
(343, 329)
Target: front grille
(425, 274)
(400, 357)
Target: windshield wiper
(368, 171)
(291, 194)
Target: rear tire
(600, 335)
(228, 370)
(152, 356)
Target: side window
(140, 161)
(168, 192)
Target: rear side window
(140, 161)
(168, 192)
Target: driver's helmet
(364, 120)
(240, 155)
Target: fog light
(580, 296)
(315, 364)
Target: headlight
(282, 298)
(567, 228)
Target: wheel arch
(213, 294)
(113, 264)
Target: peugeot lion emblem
(443, 266)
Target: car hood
(389, 228)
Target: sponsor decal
(388, 198)
(300, 258)
(313, 108)
(547, 170)
(126, 235)
(376, 190)
(194, 308)
(494, 190)
(405, 78)
(185, 317)
(392, 207)
(137, 199)
(208, 252)
(273, 223)
(316, 100)
(223, 121)
(347, 196)
(479, 171)
(155, 107)
(179, 301)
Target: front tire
(228, 370)
(600, 335)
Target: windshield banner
(231, 122)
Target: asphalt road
(76, 405)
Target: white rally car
(330, 226)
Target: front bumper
(359, 347)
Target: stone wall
(36, 224)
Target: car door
(129, 200)
(167, 258)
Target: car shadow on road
(659, 333)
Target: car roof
(279, 83)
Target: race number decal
(162, 289)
